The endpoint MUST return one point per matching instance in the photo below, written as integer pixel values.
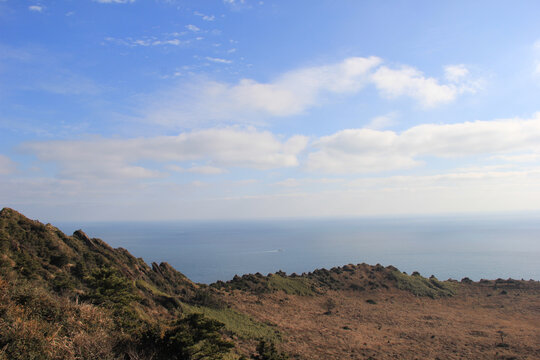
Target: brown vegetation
(74, 297)
(389, 323)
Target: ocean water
(487, 247)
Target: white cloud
(439, 193)
(451, 180)
(36, 8)
(205, 170)
(358, 151)
(218, 60)
(289, 94)
(115, 1)
(193, 28)
(117, 158)
(234, 2)
(520, 158)
(150, 41)
(382, 122)
(291, 182)
(428, 91)
(471, 138)
(455, 73)
(203, 100)
(205, 17)
(365, 150)
(6, 165)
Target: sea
(478, 247)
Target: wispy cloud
(193, 28)
(173, 40)
(204, 170)
(36, 8)
(115, 1)
(234, 2)
(455, 73)
(292, 182)
(246, 101)
(204, 100)
(205, 17)
(428, 91)
(218, 60)
(382, 122)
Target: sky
(241, 109)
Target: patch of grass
(291, 286)
(421, 286)
(143, 285)
(240, 324)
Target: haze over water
(447, 247)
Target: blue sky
(149, 109)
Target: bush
(268, 351)
(109, 288)
(329, 305)
(193, 337)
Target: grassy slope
(359, 277)
(75, 275)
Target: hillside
(75, 297)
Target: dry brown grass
(402, 326)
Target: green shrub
(237, 323)
(268, 351)
(109, 288)
(291, 286)
(192, 337)
(420, 286)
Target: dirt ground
(480, 322)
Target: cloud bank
(367, 151)
(126, 158)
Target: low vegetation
(237, 323)
(72, 297)
(75, 297)
(420, 286)
(260, 284)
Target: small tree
(502, 335)
(268, 351)
(329, 305)
(109, 288)
(194, 337)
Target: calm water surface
(447, 247)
